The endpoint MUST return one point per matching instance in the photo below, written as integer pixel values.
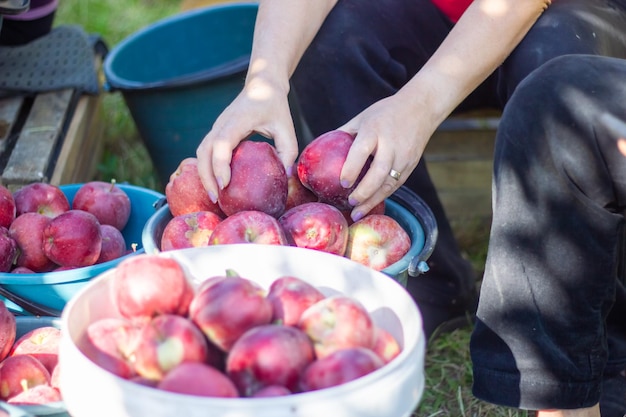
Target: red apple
(166, 341)
(105, 200)
(22, 270)
(189, 230)
(7, 207)
(377, 241)
(147, 285)
(337, 322)
(317, 226)
(258, 180)
(297, 193)
(194, 378)
(319, 167)
(73, 239)
(228, 308)
(113, 244)
(54, 377)
(249, 226)
(37, 395)
(385, 345)
(8, 250)
(7, 331)
(290, 296)
(268, 355)
(110, 343)
(19, 373)
(339, 367)
(28, 231)
(42, 198)
(185, 193)
(42, 343)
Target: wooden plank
(82, 147)
(34, 149)
(9, 112)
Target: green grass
(448, 367)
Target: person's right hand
(261, 108)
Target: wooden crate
(53, 137)
(460, 160)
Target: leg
(366, 51)
(594, 27)
(547, 331)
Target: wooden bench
(53, 137)
(460, 160)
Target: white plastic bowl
(392, 391)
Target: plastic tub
(391, 391)
(404, 206)
(52, 290)
(178, 74)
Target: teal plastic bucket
(178, 75)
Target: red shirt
(452, 8)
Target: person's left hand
(391, 132)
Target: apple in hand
(250, 226)
(229, 307)
(73, 239)
(7, 331)
(8, 250)
(337, 322)
(377, 241)
(19, 373)
(297, 193)
(147, 285)
(185, 193)
(42, 198)
(339, 367)
(113, 244)
(258, 180)
(268, 355)
(319, 167)
(189, 230)
(194, 378)
(28, 231)
(110, 343)
(37, 395)
(166, 341)
(7, 207)
(290, 296)
(105, 200)
(317, 226)
(42, 343)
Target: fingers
(379, 157)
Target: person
(550, 332)
(389, 72)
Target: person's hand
(391, 132)
(259, 108)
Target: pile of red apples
(262, 204)
(29, 364)
(42, 231)
(230, 337)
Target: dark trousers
(551, 319)
(367, 50)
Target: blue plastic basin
(54, 289)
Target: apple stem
(113, 182)
(231, 273)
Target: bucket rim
(233, 67)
